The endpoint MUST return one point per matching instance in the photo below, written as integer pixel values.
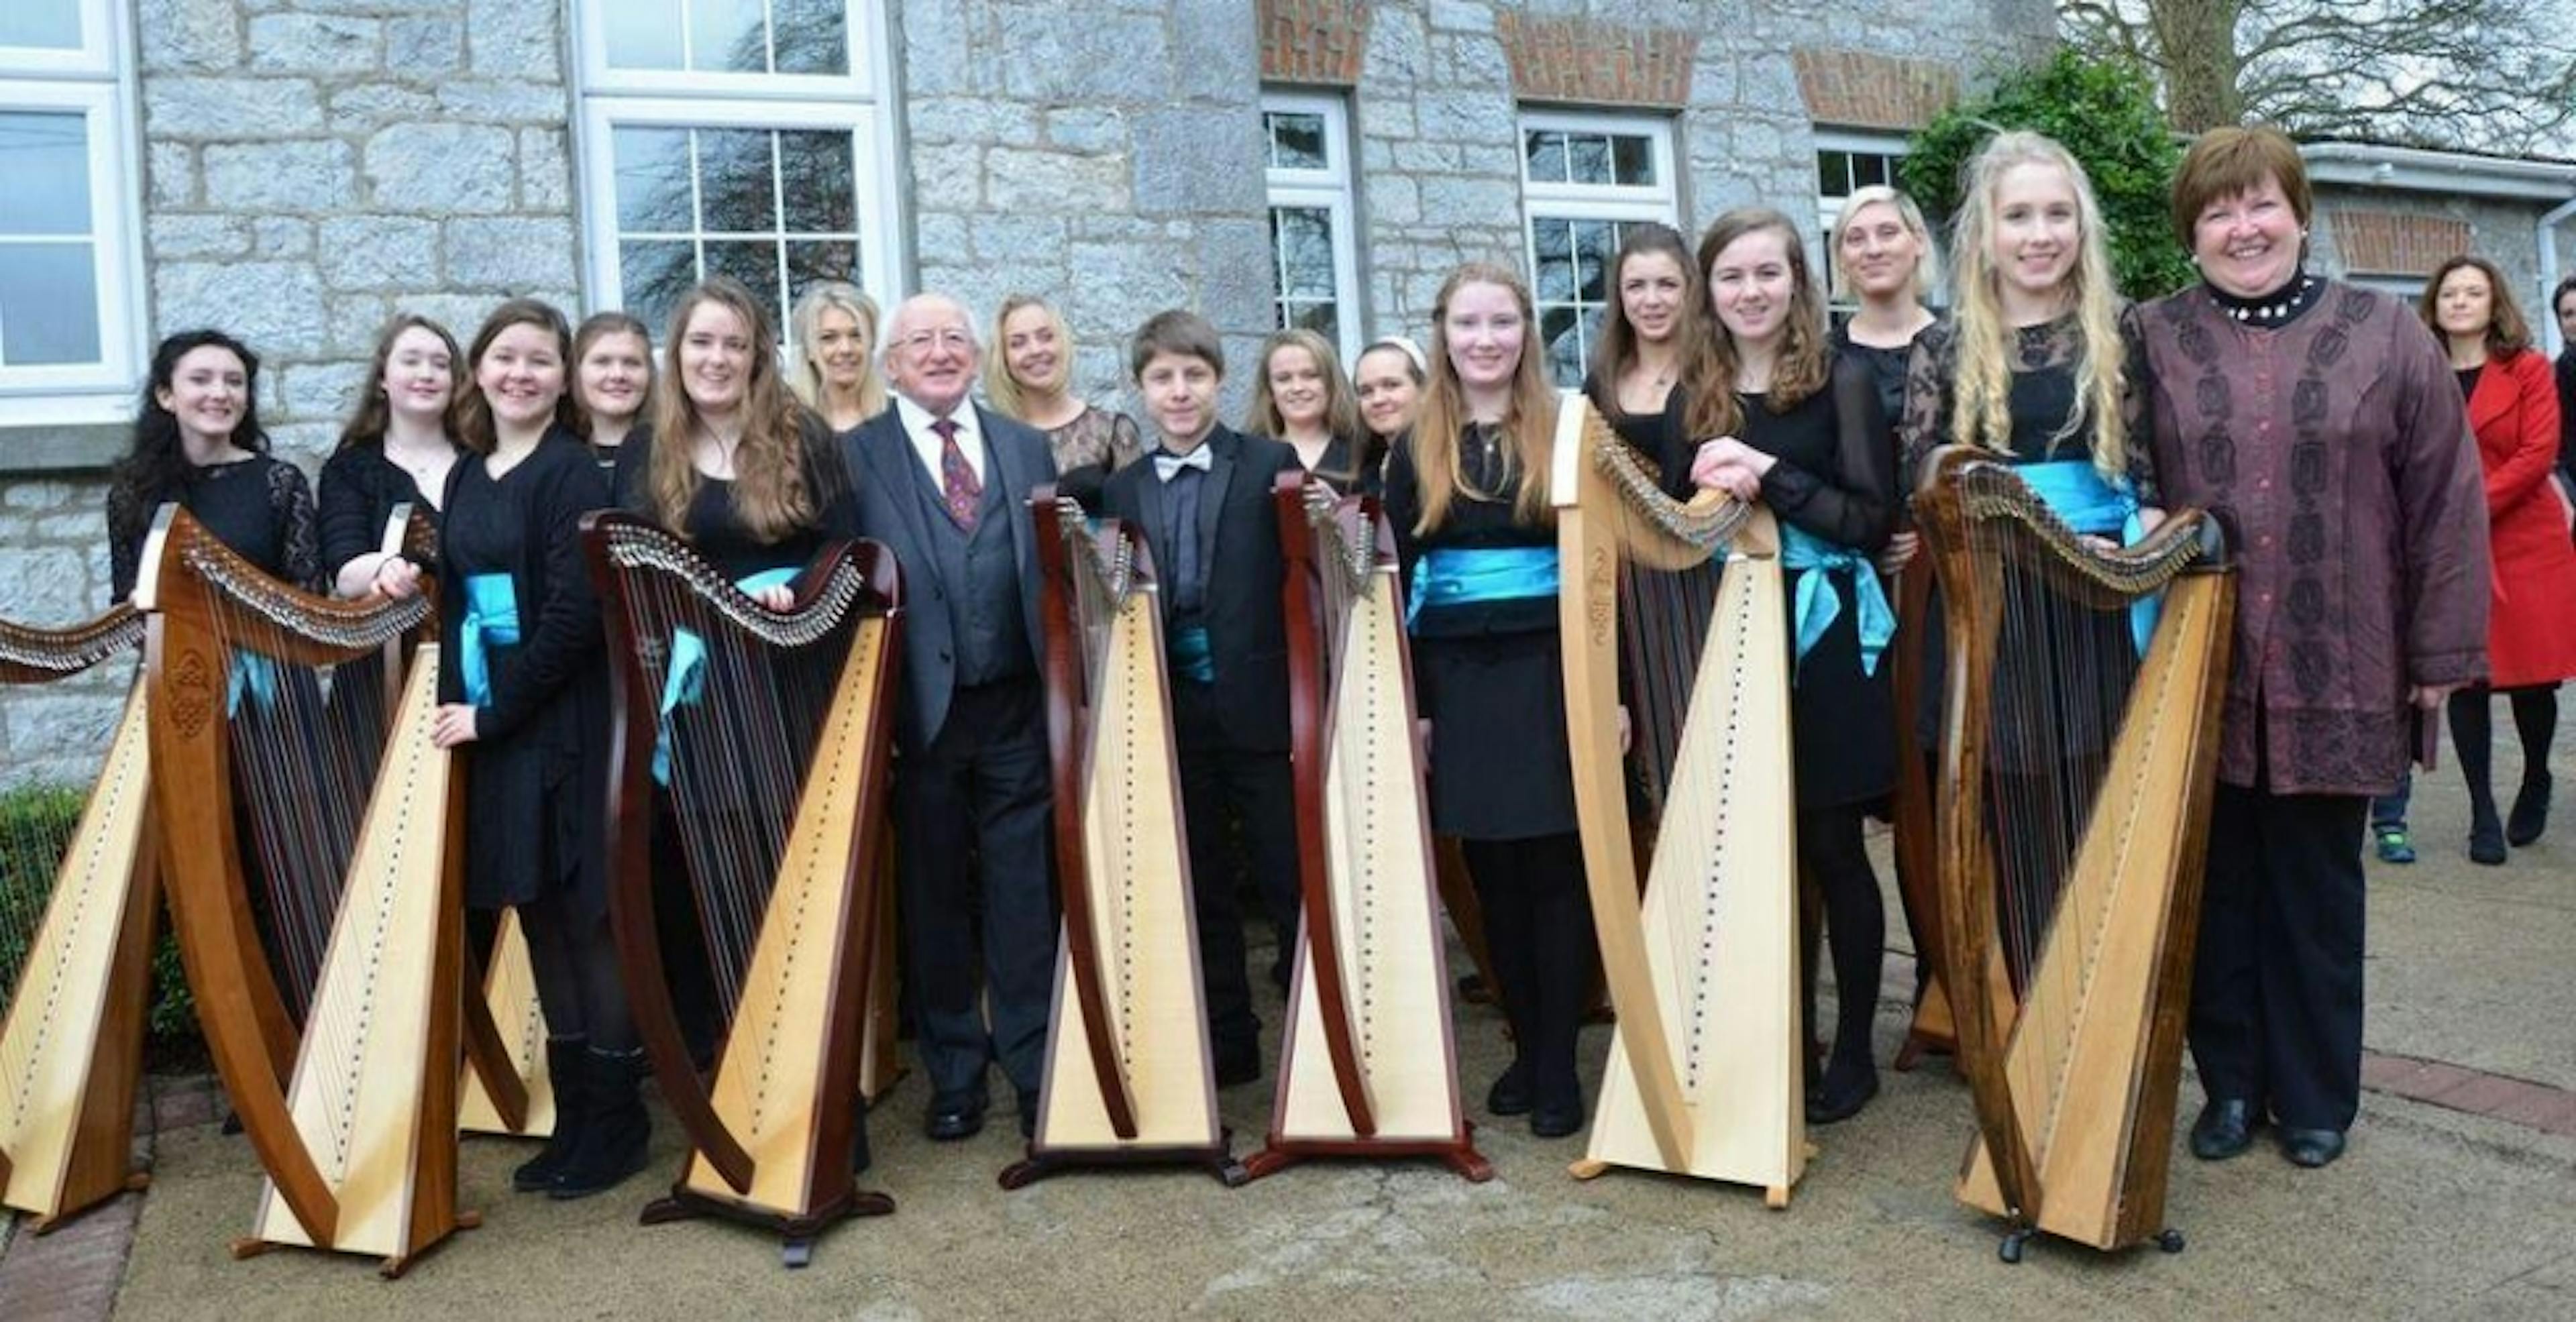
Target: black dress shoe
(954, 1116)
(1831, 1105)
(1510, 1094)
(2311, 1147)
(2530, 815)
(2486, 842)
(2225, 1129)
(1556, 1119)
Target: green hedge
(35, 823)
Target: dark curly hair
(155, 464)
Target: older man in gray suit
(945, 484)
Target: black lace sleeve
(1854, 505)
(128, 519)
(2137, 407)
(1926, 420)
(1403, 504)
(299, 539)
(1126, 441)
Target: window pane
(653, 194)
(1322, 318)
(737, 181)
(48, 304)
(47, 159)
(41, 24)
(1560, 330)
(1868, 169)
(1595, 243)
(1632, 160)
(1297, 142)
(642, 34)
(1546, 153)
(755, 264)
(815, 261)
(810, 36)
(817, 177)
(1304, 238)
(653, 274)
(1833, 174)
(1587, 158)
(1552, 261)
(728, 35)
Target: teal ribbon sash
(685, 681)
(1191, 655)
(1455, 576)
(2096, 507)
(1817, 605)
(253, 677)
(491, 620)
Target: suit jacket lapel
(887, 452)
(1221, 447)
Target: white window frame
(612, 99)
(1829, 206)
(1616, 203)
(1328, 189)
(96, 80)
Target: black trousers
(977, 891)
(1231, 797)
(2276, 988)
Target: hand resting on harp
(1729, 465)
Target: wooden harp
(772, 729)
(2076, 778)
(71, 1046)
(292, 762)
(1932, 1031)
(1130, 1078)
(1705, 1074)
(1369, 1067)
(520, 1100)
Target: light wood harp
(2076, 773)
(1129, 1076)
(772, 730)
(310, 851)
(71, 1046)
(1704, 1076)
(1370, 1068)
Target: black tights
(2535, 719)
(1538, 924)
(1834, 861)
(580, 985)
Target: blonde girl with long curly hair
(834, 329)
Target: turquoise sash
(1456, 576)
(1191, 656)
(1818, 605)
(491, 620)
(685, 682)
(255, 677)
(2095, 507)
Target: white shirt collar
(926, 444)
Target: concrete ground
(2435, 1212)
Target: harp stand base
(796, 1233)
(1042, 1162)
(1460, 1155)
(1920, 1044)
(2167, 1240)
(391, 1268)
(135, 1182)
(1774, 1196)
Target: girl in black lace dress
(197, 441)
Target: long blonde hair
(1529, 418)
(1715, 368)
(769, 489)
(1981, 410)
(1001, 389)
(807, 320)
(1341, 405)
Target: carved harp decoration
(1369, 1067)
(298, 792)
(71, 1046)
(1704, 1076)
(1129, 1076)
(2076, 775)
(772, 731)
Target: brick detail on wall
(1314, 41)
(2397, 242)
(1592, 62)
(1859, 89)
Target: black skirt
(1842, 722)
(1500, 769)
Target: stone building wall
(2386, 233)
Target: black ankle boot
(2530, 810)
(1850, 1081)
(564, 1071)
(612, 1143)
(1510, 1094)
(2486, 838)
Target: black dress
(1487, 674)
(716, 530)
(1835, 481)
(536, 773)
(360, 488)
(260, 506)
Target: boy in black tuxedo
(1203, 499)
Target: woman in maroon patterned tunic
(2319, 423)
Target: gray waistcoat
(979, 580)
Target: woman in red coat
(2531, 634)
